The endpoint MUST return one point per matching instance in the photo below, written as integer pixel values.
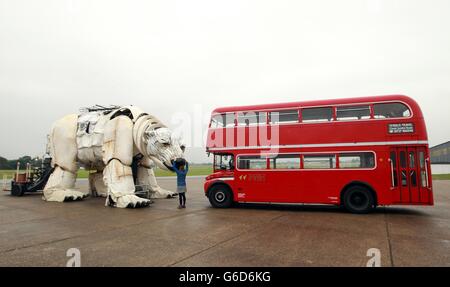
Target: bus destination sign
(404, 128)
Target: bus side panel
(285, 186)
(252, 186)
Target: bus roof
(388, 98)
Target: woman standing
(181, 169)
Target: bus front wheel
(359, 200)
(220, 196)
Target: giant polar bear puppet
(123, 144)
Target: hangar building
(440, 154)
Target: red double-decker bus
(359, 153)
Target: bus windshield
(223, 162)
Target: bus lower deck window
(223, 162)
(285, 162)
(319, 161)
(252, 162)
(357, 160)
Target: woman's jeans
(182, 194)
(182, 197)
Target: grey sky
(171, 57)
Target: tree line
(12, 163)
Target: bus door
(409, 176)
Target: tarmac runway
(38, 233)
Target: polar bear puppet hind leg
(63, 150)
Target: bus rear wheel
(359, 200)
(220, 196)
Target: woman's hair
(180, 163)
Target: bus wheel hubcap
(220, 196)
(358, 200)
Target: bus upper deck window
(391, 110)
(311, 115)
(222, 120)
(251, 118)
(348, 113)
(229, 120)
(217, 121)
(288, 116)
